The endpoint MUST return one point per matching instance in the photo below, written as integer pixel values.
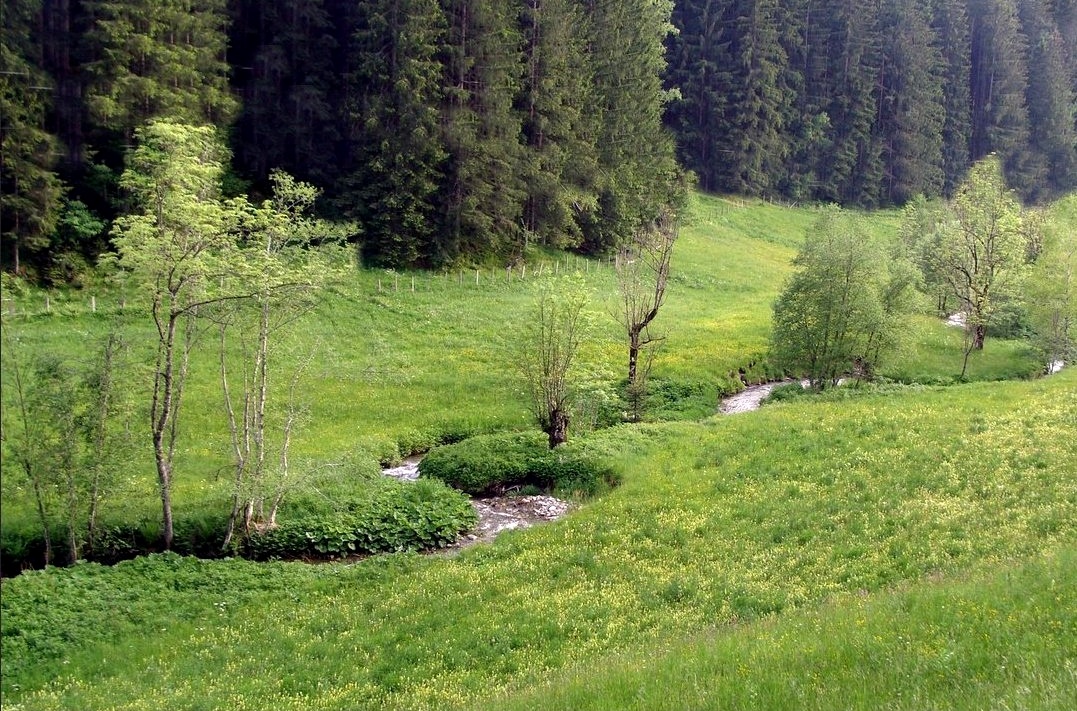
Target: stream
(751, 397)
(496, 513)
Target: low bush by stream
(495, 463)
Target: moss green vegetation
(1000, 639)
(721, 522)
(731, 542)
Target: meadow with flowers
(909, 546)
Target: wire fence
(27, 303)
(392, 281)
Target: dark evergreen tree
(1052, 104)
(851, 170)
(761, 100)
(395, 87)
(559, 131)
(482, 194)
(158, 59)
(698, 72)
(30, 190)
(999, 79)
(635, 152)
(286, 51)
(951, 25)
(63, 24)
(911, 114)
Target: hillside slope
(718, 522)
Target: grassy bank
(748, 521)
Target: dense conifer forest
(449, 131)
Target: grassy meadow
(908, 548)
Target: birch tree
(282, 272)
(177, 247)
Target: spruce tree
(698, 70)
(635, 152)
(911, 110)
(286, 76)
(397, 150)
(851, 171)
(158, 59)
(999, 80)
(559, 132)
(482, 194)
(951, 25)
(30, 191)
(1052, 104)
(758, 102)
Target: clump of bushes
(789, 391)
(384, 516)
(496, 463)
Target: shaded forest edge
(458, 131)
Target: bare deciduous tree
(550, 342)
(642, 276)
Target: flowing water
(496, 513)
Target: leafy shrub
(487, 463)
(495, 463)
(456, 429)
(680, 398)
(575, 471)
(415, 441)
(382, 449)
(386, 516)
(47, 615)
(789, 391)
(1009, 319)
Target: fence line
(49, 303)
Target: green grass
(724, 522)
(932, 354)
(730, 536)
(391, 369)
(1003, 638)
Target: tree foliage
(280, 274)
(982, 251)
(840, 312)
(1051, 289)
(30, 190)
(549, 344)
(176, 247)
(67, 434)
(158, 59)
(872, 103)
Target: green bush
(495, 463)
(386, 516)
(380, 447)
(789, 391)
(671, 398)
(486, 463)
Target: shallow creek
(496, 513)
(751, 397)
